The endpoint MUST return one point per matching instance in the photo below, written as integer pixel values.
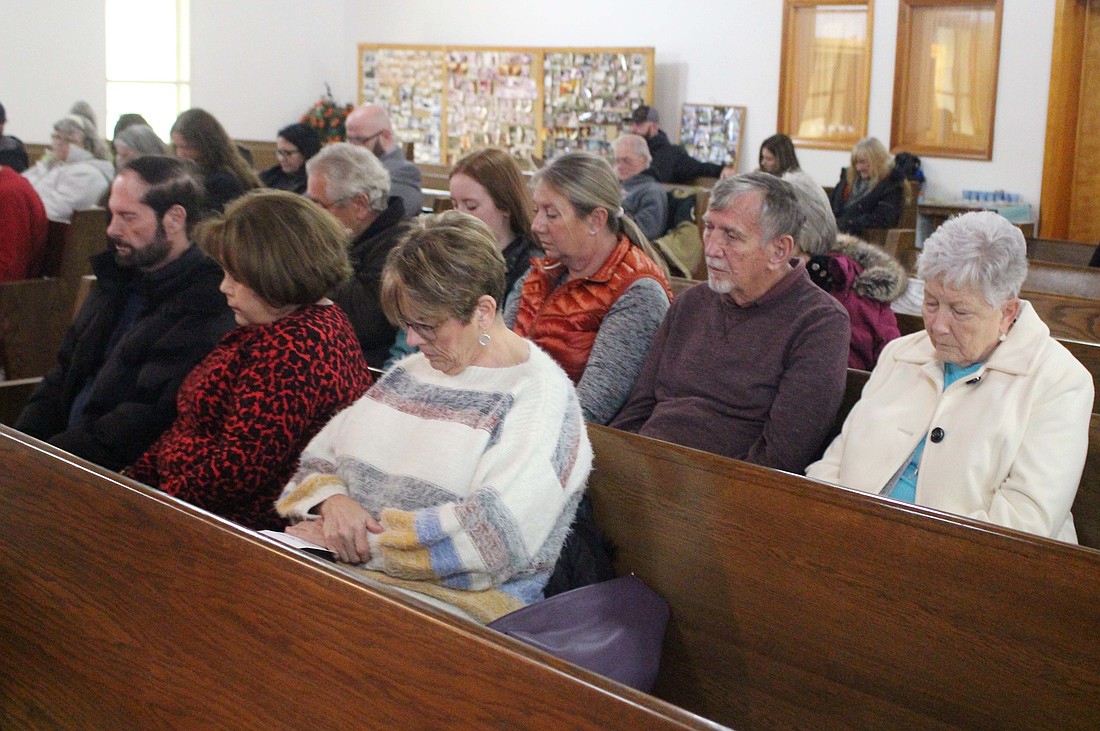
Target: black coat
(360, 297)
(133, 392)
(672, 164)
(880, 208)
(274, 177)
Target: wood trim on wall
(1060, 151)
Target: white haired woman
(983, 414)
(74, 174)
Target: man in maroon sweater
(752, 364)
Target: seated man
(350, 183)
(644, 199)
(671, 163)
(155, 312)
(751, 365)
(369, 126)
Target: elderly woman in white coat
(983, 414)
(74, 174)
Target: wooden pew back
(1063, 279)
(1056, 251)
(798, 605)
(1086, 506)
(124, 608)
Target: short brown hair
(497, 172)
(441, 269)
(280, 245)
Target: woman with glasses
(294, 144)
(249, 408)
(458, 474)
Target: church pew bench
(125, 608)
(1056, 251)
(34, 315)
(800, 605)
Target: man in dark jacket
(154, 314)
(351, 184)
(671, 163)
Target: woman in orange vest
(596, 298)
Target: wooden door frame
(1060, 151)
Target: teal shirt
(906, 487)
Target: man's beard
(150, 256)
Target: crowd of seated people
(517, 318)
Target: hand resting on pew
(342, 528)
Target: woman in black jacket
(870, 192)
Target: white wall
(259, 64)
(728, 51)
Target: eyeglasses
(426, 332)
(364, 140)
(286, 153)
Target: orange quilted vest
(564, 321)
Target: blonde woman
(870, 192)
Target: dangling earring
(484, 339)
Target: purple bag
(615, 628)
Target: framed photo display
(534, 102)
(712, 132)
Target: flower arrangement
(327, 117)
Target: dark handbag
(615, 628)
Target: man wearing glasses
(369, 126)
(350, 183)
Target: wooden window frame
(903, 87)
(788, 67)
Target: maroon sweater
(248, 410)
(760, 383)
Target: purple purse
(615, 628)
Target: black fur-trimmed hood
(883, 279)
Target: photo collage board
(712, 132)
(534, 102)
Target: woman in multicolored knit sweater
(250, 407)
(459, 472)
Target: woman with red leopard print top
(248, 410)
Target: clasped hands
(342, 528)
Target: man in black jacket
(351, 184)
(671, 163)
(154, 314)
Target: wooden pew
(1070, 318)
(1056, 251)
(14, 395)
(263, 152)
(124, 608)
(1063, 279)
(799, 605)
(1086, 506)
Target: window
(148, 61)
(945, 83)
(825, 72)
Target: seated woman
(489, 186)
(135, 141)
(861, 276)
(294, 144)
(251, 406)
(870, 192)
(777, 156)
(983, 414)
(459, 472)
(74, 173)
(595, 300)
(196, 135)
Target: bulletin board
(534, 102)
(713, 132)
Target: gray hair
(350, 170)
(635, 145)
(588, 182)
(141, 138)
(978, 250)
(780, 212)
(818, 233)
(79, 130)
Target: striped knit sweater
(475, 478)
